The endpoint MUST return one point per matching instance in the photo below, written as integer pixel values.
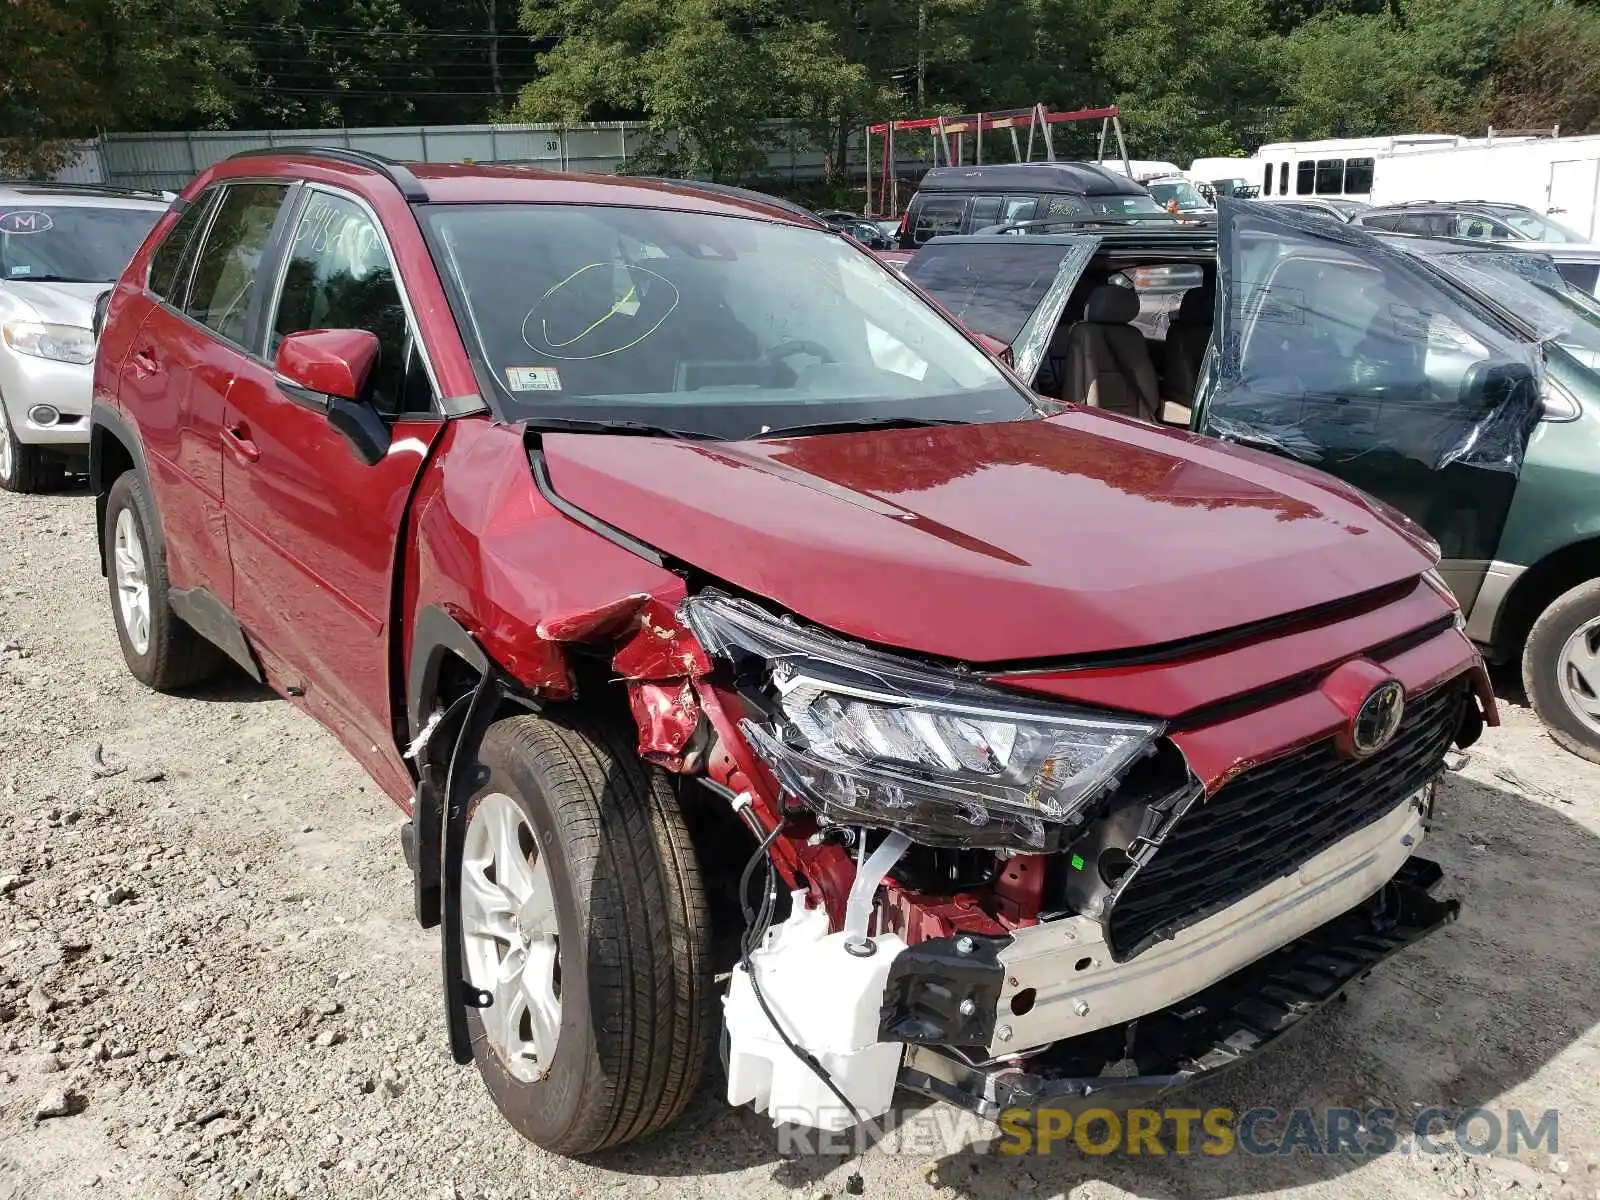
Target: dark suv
(716, 608)
(1476, 220)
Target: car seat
(1188, 332)
(1108, 363)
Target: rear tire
(25, 469)
(1561, 670)
(162, 652)
(633, 1015)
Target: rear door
(1348, 355)
(1009, 287)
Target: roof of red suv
(468, 183)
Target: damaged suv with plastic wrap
(758, 662)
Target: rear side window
(1330, 176)
(1430, 224)
(226, 274)
(168, 260)
(1305, 178)
(1581, 275)
(1283, 179)
(936, 215)
(1266, 181)
(1358, 176)
(1021, 208)
(1385, 221)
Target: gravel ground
(210, 984)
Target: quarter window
(339, 276)
(227, 270)
(167, 261)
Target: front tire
(24, 468)
(583, 915)
(1561, 670)
(162, 652)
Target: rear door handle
(238, 439)
(144, 362)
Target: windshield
(712, 325)
(1529, 290)
(1181, 192)
(1540, 229)
(77, 243)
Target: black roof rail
(730, 191)
(395, 172)
(1107, 220)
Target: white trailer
(1556, 176)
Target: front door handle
(238, 439)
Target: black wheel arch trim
(104, 422)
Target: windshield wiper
(860, 423)
(596, 425)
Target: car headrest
(1197, 306)
(1110, 304)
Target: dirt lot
(207, 967)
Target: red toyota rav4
(755, 656)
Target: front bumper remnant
(1134, 1063)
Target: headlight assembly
(59, 343)
(868, 738)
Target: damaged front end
(1005, 901)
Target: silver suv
(61, 246)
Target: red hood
(995, 543)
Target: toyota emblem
(1378, 719)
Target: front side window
(1532, 226)
(225, 274)
(70, 243)
(339, 277)
(1179, 193)
(720, 326)
(1021, 208)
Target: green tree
(45, 94)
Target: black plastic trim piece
(469, 405)
(436, 636)
(105, 421)
(205, 613)
(1220, 1026)
(395, 172)
(929, 983)
(541, 480)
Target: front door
(1339, 352)
(1009, 287)
(313, 530)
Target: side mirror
(1491, 384)
(326, 370)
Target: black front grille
(1272, 819)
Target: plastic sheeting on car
(1353, 356)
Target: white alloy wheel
(1578, 671)
(133, 581)
(8, 461)
(508, 925)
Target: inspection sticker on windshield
(533, 379)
